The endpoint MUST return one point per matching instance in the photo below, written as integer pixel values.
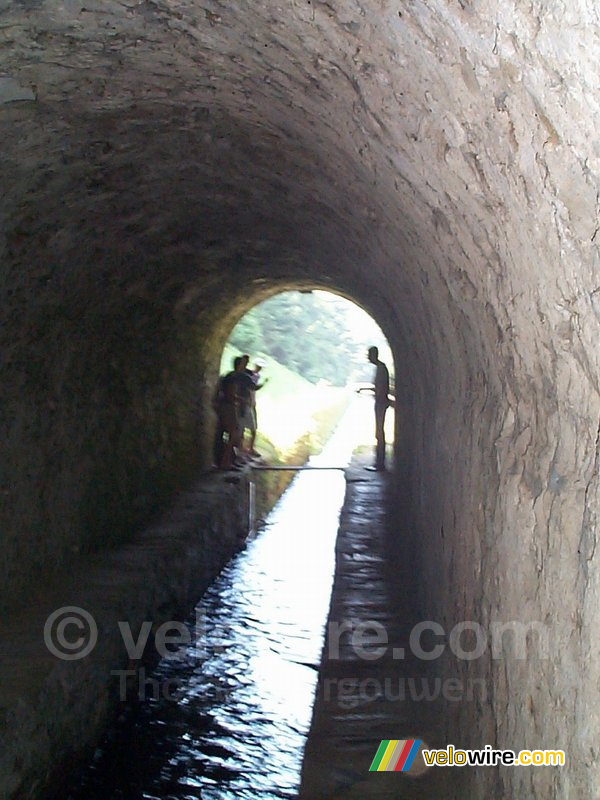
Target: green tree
(318, 335)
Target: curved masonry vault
(166, 165)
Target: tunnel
(168, 164)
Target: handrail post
(251, 506)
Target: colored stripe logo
(395, 755)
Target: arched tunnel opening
(167, 165)
(308, 357)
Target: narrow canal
(233, 711)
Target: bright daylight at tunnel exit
(300, 377)
(307, 355)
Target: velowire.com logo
(395, 755)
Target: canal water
(227, 716)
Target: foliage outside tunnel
(313, 346)
(318, 335)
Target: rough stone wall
(53, 710)
(165, 163)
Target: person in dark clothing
(382, 389)
(226, 403)
(245, 387)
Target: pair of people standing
(235, 405)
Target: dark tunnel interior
(167, 165)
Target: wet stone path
(227, 716)
(362, 699)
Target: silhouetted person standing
(226, 403)
(382, 390)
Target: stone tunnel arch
(268, 291)
(352, 318)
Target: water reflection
(243, 692)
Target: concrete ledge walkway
(53, 709)
(362, 700)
